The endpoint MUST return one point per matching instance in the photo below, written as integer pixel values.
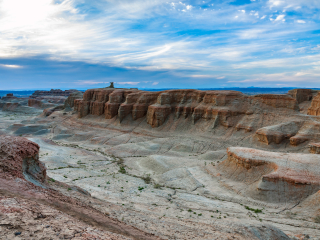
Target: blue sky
(159, 44)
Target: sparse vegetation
(122, 170)
(254, 210)
(147, 179)
(317, 219)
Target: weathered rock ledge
(272, 176)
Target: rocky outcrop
(225, 108)
(278, 133)
(271, 176)
(301, 95)
(314, 109)
(48, 111)
(20, 158)
(314, 148)
(53, 92)
(9, 96)
(34, 103)
(277, 101)
(69, 103)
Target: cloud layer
(187, 44)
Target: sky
(83, 44)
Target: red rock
(314, 148)
(314, 109)
(226, 108)
(9, 96)
(20, 158)
(34, 103)
(140, 108)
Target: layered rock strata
(277, 133)
(314, 109)
(271, 176)
(69, 103)
(20, 158)
(301, 95)
(224, 107)
(9, 96)
(53, 92)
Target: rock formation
(20, 158)
(301, 95)
(314, 109)
(271, 176)
(53, 92)
(224, 107)
(69, 103)
(9, 96)
(277, 133)
(314, 148)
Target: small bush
(317, 219)
(254, 210)
(122, 170)
(147, 179)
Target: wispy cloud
(218, 40)
(10, 66)
(128, 83)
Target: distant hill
(16, 93)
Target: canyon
(174, 164)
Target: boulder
(19, 157)
(314, 148)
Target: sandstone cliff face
(277, 101)
(53, 92)
(225, 108)
(270, 176)
(69, 103)
(315, 106)
(34, 103)
(301, 95)
(20, 158)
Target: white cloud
(128, 83)
(280, 18)
(10, 66)
(275, 3)
(88, 82)
(155, 83)
(301, 21)
(251, 33)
